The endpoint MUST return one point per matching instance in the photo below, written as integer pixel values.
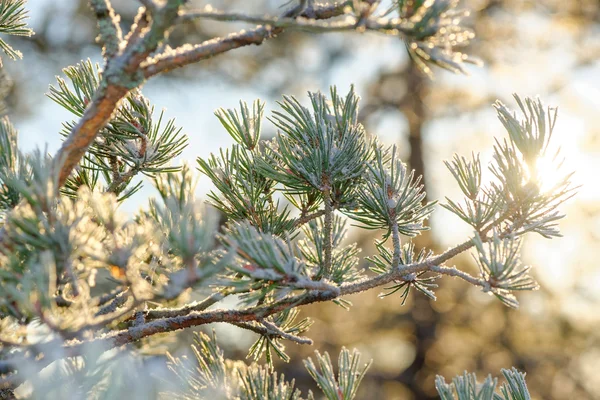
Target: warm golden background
(546, 48)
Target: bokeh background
(548, 48)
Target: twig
(140, 23)
(117, 301)
(159, 313)
(308, 24)
(306, 218)
(120, 179)
(309, 20)
(328, 227)
(110, 296)
(274, 329)
(162, 325)
(453, 271)
(114, 166)
(403, 270)
(132, 334)
(395, 241)
(108, 26)
(269, 329)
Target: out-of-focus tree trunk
(424, 318)
(413, 109)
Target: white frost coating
(132, 148)
(410, 277)
(151, 151)
(412, 227)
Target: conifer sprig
(314, 152)
(466, 387)
(244, 127)
(516, 197)
(281, 325)
(344, 257)
(501, 267)
(272, 264)
(344, 385)
(433, 33)
(12, 22)
(391, 196)
(384, 263)
(13, 167)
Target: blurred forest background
(548, 48)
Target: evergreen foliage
(12, 22)
(466, 387)
(287, 202)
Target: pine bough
(287, 201)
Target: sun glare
(548, 172)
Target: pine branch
(427, 37)
(313, 25)
(257, 313)
(268, 269)
(119, 78)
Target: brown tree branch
(122, 75)
(185, 55)
(83, 134)
(257, 313)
